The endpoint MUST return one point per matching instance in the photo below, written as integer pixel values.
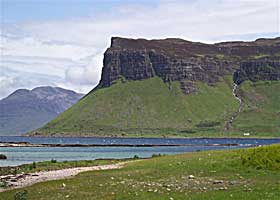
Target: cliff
(256, 70)
(171, 87)
(180, 60)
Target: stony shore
(27, 179)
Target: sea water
(23, 155)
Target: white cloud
(70, 51)
(171, 18)
(32, 46)
(28, 72)
(6, 82)
(12, 79)
(88, 73)
(33, 64)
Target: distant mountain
(25, 110)
(173, 87)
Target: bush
(15, 171)
(156, 155)
(33, 166)
(206, 124)
(3, 157)
(21, 195)
(188, 131)
(136, 157)
(3, 184)
(53, 161)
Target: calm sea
(22, 155)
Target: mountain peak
(20, 92)
(25, 110)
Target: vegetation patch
(21, 195)
(206, 124)
(267, 157)
(3, 157)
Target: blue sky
(30, 10)
(61, 42)
(20, 10)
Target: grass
(54, 165)
(267, 157)
(146, 108)
(229, 174)
(261, 113)
(151, 108)
(260, 56)
(220, 56)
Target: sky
(61, 42)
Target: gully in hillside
(238, 98)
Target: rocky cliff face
(184, 61)
(254, 70)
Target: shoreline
(27, 144)
(28, 179)
(146, 137)
(149, 137)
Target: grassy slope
(261, 114)
(246, 174)
(147, 108)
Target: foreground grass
(239, 174)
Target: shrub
(3, 157)
(3, 184)
(53, 161)
(205, 124)
(136, 157)
(21, 195)
(15, 171)
(156, 155)
(33, 166)
(188, 131)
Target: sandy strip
(37, 177)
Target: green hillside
(261, 112)
(149, 107)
